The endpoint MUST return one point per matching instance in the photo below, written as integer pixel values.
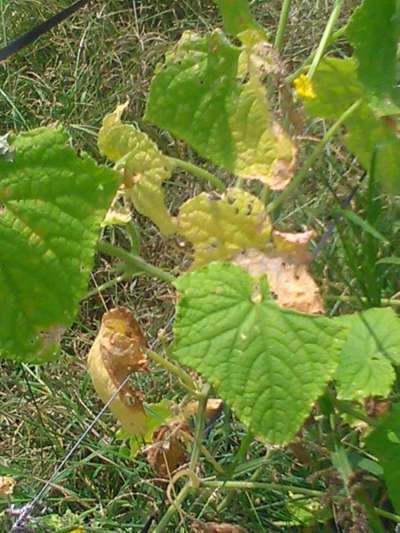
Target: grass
(75, 75)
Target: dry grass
(76, 75)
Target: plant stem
(198, 172)
(344, 407)
(350, 299)
(302, 173)
(174, 369)
(106, 285)
(387, 514)
(282, 24)
(249, 485)
(173, 508)
(200, 421)
(332, 39)
(134, 261)
(325, 37)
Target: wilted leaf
(169, 448)
(52, 203)
(287, 271)
(142, 164)
(373, 345)
(221, 226)
(269, 364)
(214, 527)
(199, 96)
(7, 485)
(384, 443)
(118, 350)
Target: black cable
(31, 36)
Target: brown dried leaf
(214, 406)
(214, 527)
(118, 350)
(7, 485)
(286, 267)
(169, 449)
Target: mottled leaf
(365, 367)
(52, 205)
(142, 164)
(198, 96)
(384, 443)
(270, 364)
(221, 226)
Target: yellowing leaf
(118, 350)
(286, 267)
(7, 485)
(202, 96)
(142, 164)
(264, 151)
(221, 226)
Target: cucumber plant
(250, 318)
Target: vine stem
(253, 485)
(176, 370)
(301, 174)
(332, 39)
(134, 261)
(350, 299)
(196, 450)
(325, 37)
(198, 172)
(200, 422)
(106, 285)
(173, 508)
(283, 19)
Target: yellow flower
(304, 87)
(78, 530)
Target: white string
(25, 511)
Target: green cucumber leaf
(238, 18)
(53, 203)
(198, 96)
(373, 345)
(374, 32)
(221, 226)
(336, 87)
(384, 443)
(142, 164)
(270, 364)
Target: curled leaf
(168, 450)
(118, 350)
(221, 226)
(143, 166)
(287, 270)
